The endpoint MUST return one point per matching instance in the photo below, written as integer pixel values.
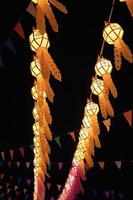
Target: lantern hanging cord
(109, 19)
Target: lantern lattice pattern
(103, 68)
(35, 113)
(37, 40)
(86, 122)
(84, 132)
(35, 68)
(97, 88)
(79, 155)
(81, 146)
(36, 128)
(91, 109)
(34, 92)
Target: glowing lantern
(35, 113)
(83, 133)
(34, 92)
(78, 156)
(37, 40)
(113, 34)
(103, 68)
(97, 88)
(34, 1)
(81, 146)
(36, 128)
(91, 110)
(35, 68)
(86, 122)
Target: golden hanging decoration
(113, 34)
(103, 68)
(44, 10)
(97, 88)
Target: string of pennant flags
(107, 123)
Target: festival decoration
(113, 34)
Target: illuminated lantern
(81, 146)
(83, 133)
(91, 111)
(35, 113)
(36, 128)
(97, 88)
(37, 40)
(78, 156)
(35, 68)
(103, 68)
(86, 122)
(34, 92)
(129, 5)
(113, 34)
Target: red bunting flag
(19, 30)
(72, 135)
(11, 153)
(128, 116)
(48, 185)
(31, 9)
(21, 149)
(60, 165)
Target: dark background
(74, 49)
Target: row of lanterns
(90, 130)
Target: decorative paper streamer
(128, 116)
(21, 149)
(107, 124)
(19, 30)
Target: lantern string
(109, 19)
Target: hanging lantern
(103, 68)
(35, 113)
(97, 88)
(78, 156)
(129, 5)
(83, 133)
(34, 92)
(86, 122)
(91, 111)
(35, 68)
(36, 128)
(81, 146)
(113, 34)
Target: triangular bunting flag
(18, 164)
(11, 153)
(10, 45)
(0, 187)
(15, 187)
(121, 196)
(72, 135)
(21, 149)
(31, 9)
(27, 165)
(107, 124)
(128, 116)
(59, 187)
(48, 185)
(28, 181)
(60, 165)
(101, 165)
(19, 30)
(57, 139)
(3, 156)
(107, 194)
(118, 164)
(1, 62)
(31, 146)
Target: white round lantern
(34, 92)
(36, 128)
(103, 66)
(91, 109)
(37, 40)
(97, 86)
(35, 68)
(83, 133)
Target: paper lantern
(78, 156)
(37, 40)
(103, 68)
(35, 113)
(35, 68)
(86, 122)
(34, 92)
(113, 34)
(81, 146)
(97, 88)
(36, 128)
(83, 133)
(91, 111)
(35, 1)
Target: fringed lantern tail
(103, 107)
(52, 66)
(117, 56)
(89, 160)
(110, 85)
(109, 107)
(59, 6)
(124, 49)
(40, 20)
(47, 112)
(95, 125)
(47, 130)
(130, 6)
(97, 141)
(51, 18)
